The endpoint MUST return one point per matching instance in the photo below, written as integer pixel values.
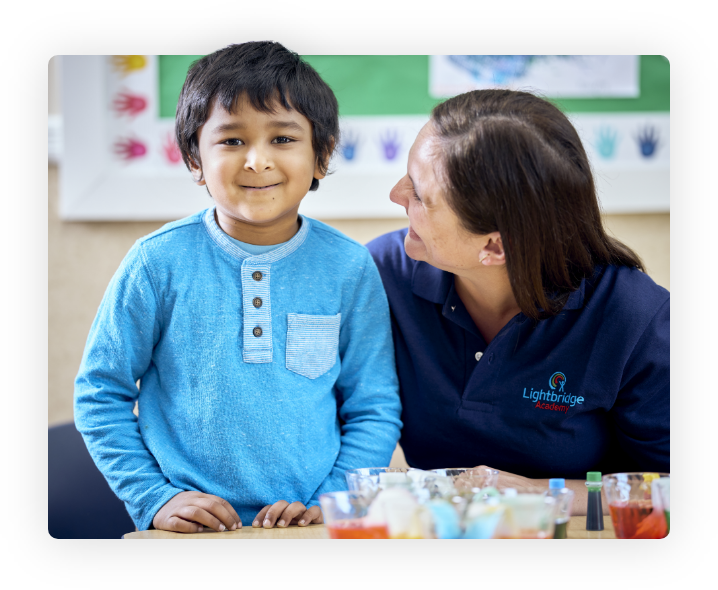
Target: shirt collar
(433, 284)
(233, 249)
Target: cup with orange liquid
(636, 509)
(345, 516)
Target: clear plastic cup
(630, 504)
(345, 516)
(470, 478)
(527, 516)
(371, 480)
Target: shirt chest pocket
(312, 343)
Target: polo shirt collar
(233, 249)
(433, 284)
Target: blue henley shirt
(585, 390)
(262, 377)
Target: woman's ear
(492, 254)
(196, 170)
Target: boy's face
(258, 167)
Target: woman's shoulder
(390, 257)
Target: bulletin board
(120, 161)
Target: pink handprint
(130, 149)
(170, 149)
(126, 103)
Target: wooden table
(576, 530)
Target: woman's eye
(232, 142)
(283, 139)
(416, 197)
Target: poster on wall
(558, 76)
(121, 161)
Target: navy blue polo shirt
(586, 390)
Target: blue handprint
(390, 143)
(648, 141)
(349, 145)
(606, 142)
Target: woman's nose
(398, 194)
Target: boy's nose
(257, 160)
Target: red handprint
(171, 150)
(126, 103)
(130, 149)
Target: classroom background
(115, 175)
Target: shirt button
(257, 302)
(478, 356)
(257, 331)
(256, 275)
(491, 358)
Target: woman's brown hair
(514, 164)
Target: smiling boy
(260, 338)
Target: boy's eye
(282, 139)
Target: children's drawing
(606, 142)
(127, 103)
(170, 149)
(494, 68)
(390, 144)
(349, 145)
(127, 64)
(130, 149)
(648, 141)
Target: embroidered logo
(559, 379)
(558, 401)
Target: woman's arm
(525, 484)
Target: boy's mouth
(259, 188)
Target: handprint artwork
(127, 103)
(170, 149)
(606, 142)
(129, 149)
(127, 64)
(390, 144)
(648, 141)
(349, 145)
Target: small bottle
(594, 512)
(555, 490)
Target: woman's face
(435, 233)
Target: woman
(526, 339)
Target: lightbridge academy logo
(553, 399)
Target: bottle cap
(557, 483)
(593, 476)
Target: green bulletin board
(399, 85)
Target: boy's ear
(318, 174)
(196, 173)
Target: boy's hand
(283, 513)
(189, 512)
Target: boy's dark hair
(513, 163)
(266, 73)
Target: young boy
(261, 339)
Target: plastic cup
(345, 516)
(527, 516)
(662, 487)
(370, 480)
(631, 505)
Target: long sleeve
(118, 353)
(641, 413)
(367, 387)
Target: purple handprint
(349, 145)
(648, 141)
(390, 143)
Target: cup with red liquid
(635, 507)
(345, 515)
